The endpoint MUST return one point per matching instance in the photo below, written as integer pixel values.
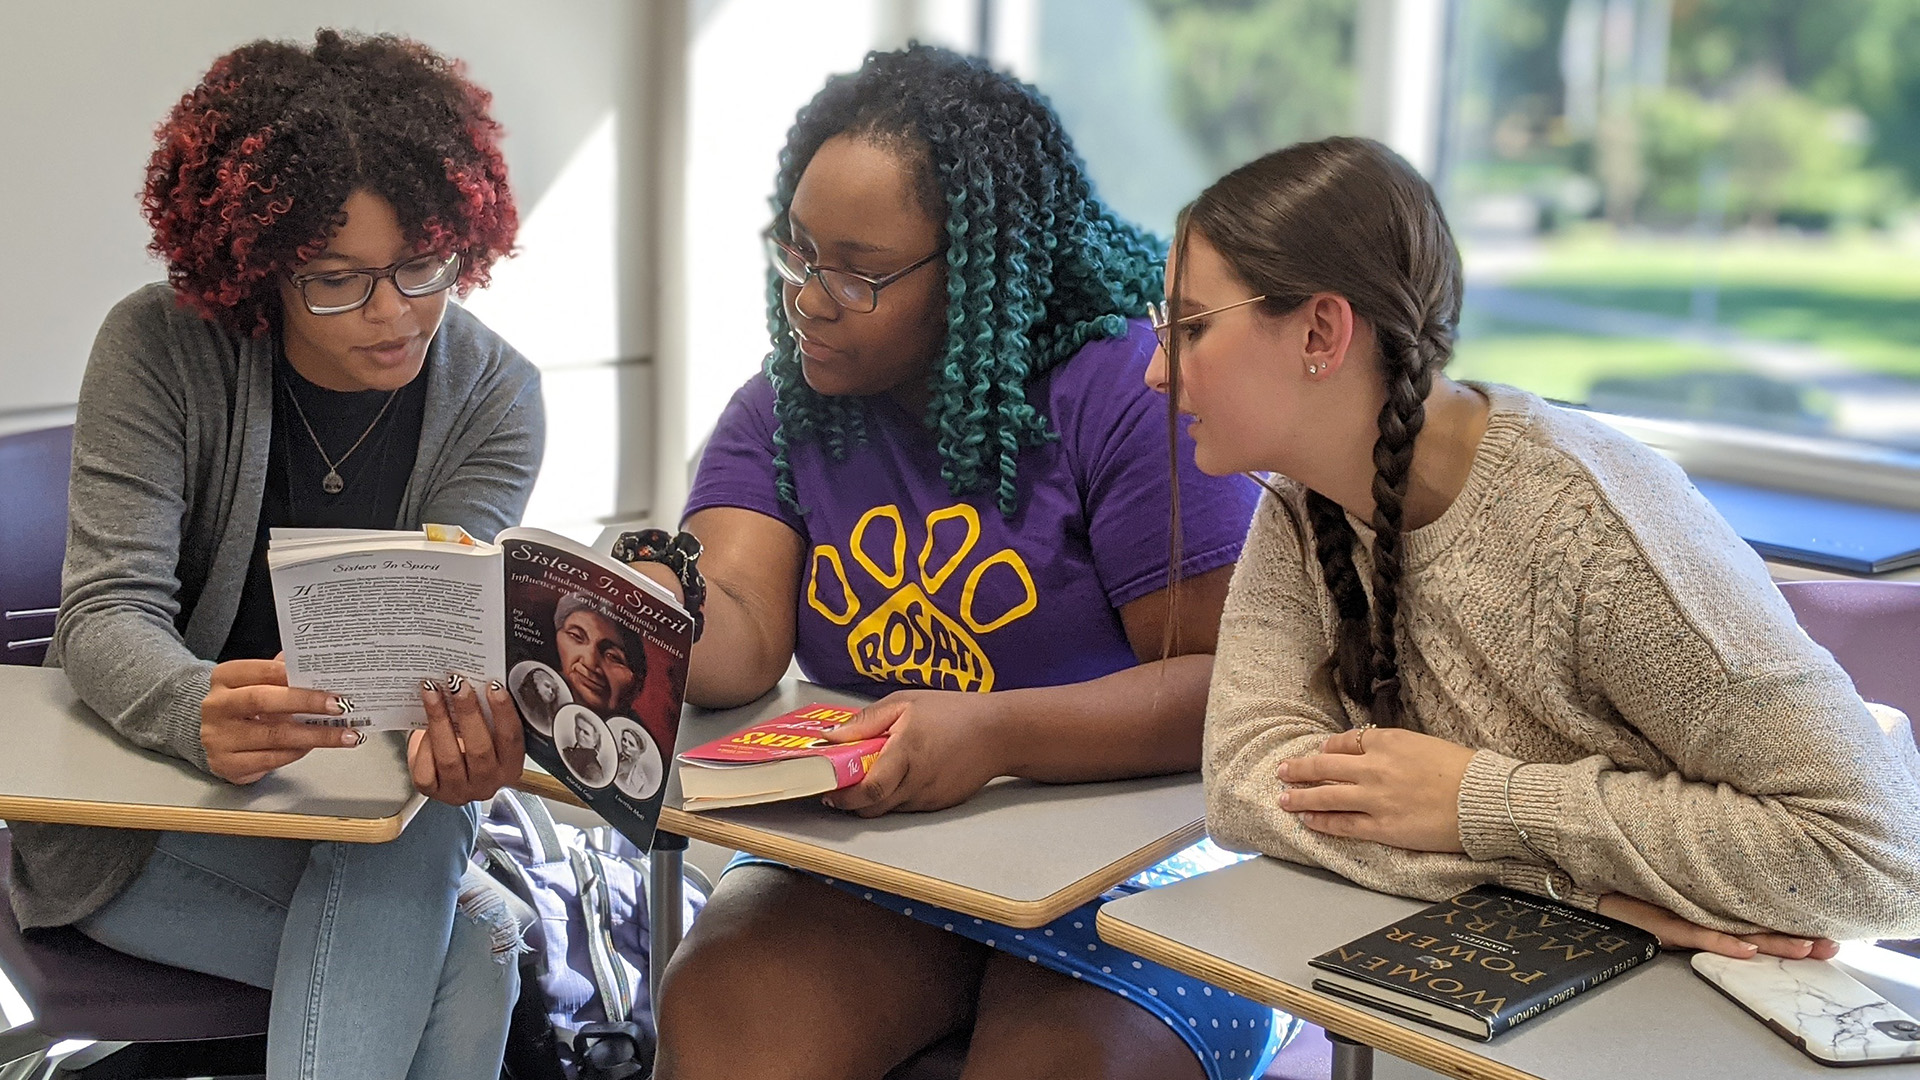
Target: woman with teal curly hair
(952, 483)
(1036, 268)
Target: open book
(593, 653)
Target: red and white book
(787, 757)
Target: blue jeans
(380, 966)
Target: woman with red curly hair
(303, 367)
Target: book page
(597, 663)
(370, 624)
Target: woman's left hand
(461, 758)
(1388, 785)
(942, 747)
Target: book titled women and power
(1483, 961)
(593, 653)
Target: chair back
(1870, 627)
(33, 536)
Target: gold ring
(1359, 736)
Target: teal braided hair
(1037, 265)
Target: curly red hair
(255, 163)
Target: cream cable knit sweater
(1582, 607)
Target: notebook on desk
(1816, 530)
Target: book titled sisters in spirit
(1482, 961)
(593, 653)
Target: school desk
(64, 763)
(1252, 927)
(1019, 852)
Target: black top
(375, 476)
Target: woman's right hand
(247, 725)
(1675, 932)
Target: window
(1685, 210)
(1697, 216)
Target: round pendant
(333, 485)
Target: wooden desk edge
(209, 820)
(535, 782)
(1020, 914)
(1337, 1017)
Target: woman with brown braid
(1476, 638)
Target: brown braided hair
(1349, 216)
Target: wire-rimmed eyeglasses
(1163, 326)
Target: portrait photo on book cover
(586, 745)
(573, 653)
(540, 693)
(603, 663)
(640, 769)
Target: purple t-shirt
(905, 584)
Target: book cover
(593, 653)
(736, 768)
(596, 660)
(1483, 961)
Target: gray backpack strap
(596, 904)
(504, 866)
(536, 823)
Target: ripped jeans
(382, 965)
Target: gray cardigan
(169, 463)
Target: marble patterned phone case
(1817, 1006)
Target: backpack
(584, 1011)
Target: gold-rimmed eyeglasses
(1163, 326)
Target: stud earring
(1313, 369)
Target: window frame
(1816, 465)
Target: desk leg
(1351, 1060)
(666, 904)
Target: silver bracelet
(1525, 840)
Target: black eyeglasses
(853, 292)
(336, 292)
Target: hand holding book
(940, 752)
(460, 758)
(788, 757)
(583, 660)
(248, 724)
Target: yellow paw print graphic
(910, 637)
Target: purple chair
(182, 1023)
(33, 533)
(1871, 628)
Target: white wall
(752, 65)
(642, 138)
(84, 84)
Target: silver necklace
(331, 483)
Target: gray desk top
(1253, 927)
(63, 763)
(1020, 853)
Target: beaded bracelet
(679, 553)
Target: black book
(1483, 961)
